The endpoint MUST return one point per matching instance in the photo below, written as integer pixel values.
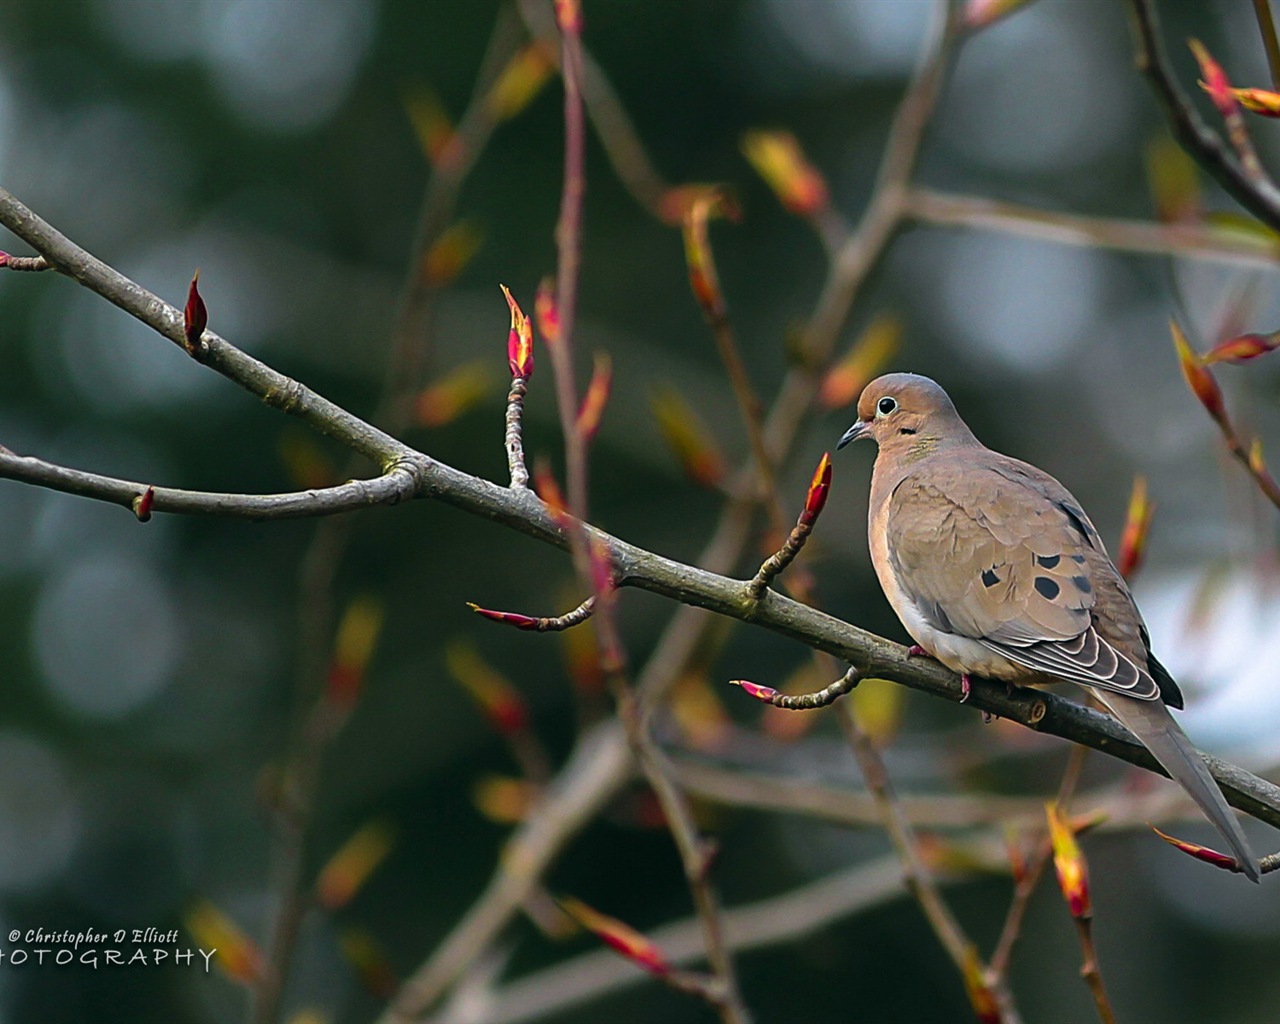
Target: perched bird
(995, 570)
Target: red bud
(195, 317)
(1198, 378)
(142, 504)
(819, 488)
(1215, 82)
(1218, 860)
(519, 339)
(764, 693)
(509, 618)
(1242, 348)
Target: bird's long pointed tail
(1151, 722)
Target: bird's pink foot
(916, 651)
(987, 718)
(966, 687)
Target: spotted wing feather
(1001, 553)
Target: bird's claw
(966, 687)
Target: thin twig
(399, 483)
(998, 964)
(613, 126)
(1089, 971)
(552, 624)
(28, 264)
(514, 441)
(704, 279)
(1195, 241)
(696, 857)
(569, 250)
(919, 880)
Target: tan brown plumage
(995, 570)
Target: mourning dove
(995, 570)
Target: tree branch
(1257, 195)
(400, 482)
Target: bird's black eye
(886, 406)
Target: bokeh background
(148, 672)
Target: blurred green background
(148, 672)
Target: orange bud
(521, 80)
(819, 487)
(689, 440)
(142, 503)
(1198, 378)
(350, 867)
(1174, 180)
(1242, 348)
(519, 339)
(353, 649)
(597, 396)
(764, 693)
(236, 953)
(307, 465)
(547, 312)
(981, 996)
(1259, 101)
(457, 392)
(778, 158)
(548, 489)
(1257, 464)
(432, 126)
(675, 203)
(1204, 853)
(371, 963)
(1137, 525)
(636, 947)
(981, 13)
(1215, 81)
(501, 702)
(505, 800)
(876, 345)
(569, 16)
(195, 317)
(697, 253)
(1068, 861)
(450, 253)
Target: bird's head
(905, 410)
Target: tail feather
(1151, 722)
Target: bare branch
(792, 915)
(400, 482)
(1188, 240)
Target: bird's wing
(994, 550)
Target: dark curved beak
(859, 429)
